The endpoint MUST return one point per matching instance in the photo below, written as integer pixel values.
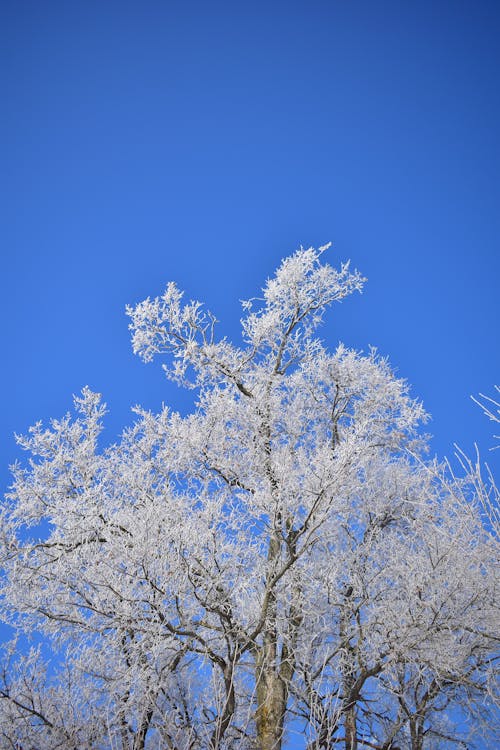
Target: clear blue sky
(203, 141)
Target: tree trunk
(227, 711)
(271, 701)
(351, 740)
(270, 687)
(348, 674)
(140, 736)
(416, 733)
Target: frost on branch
(491, 407)
(292, 307)
(282, 560)
(295, 299)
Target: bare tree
(281, 560)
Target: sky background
(202, 142)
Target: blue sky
(202, 142)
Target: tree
(491, 407)
(281, 560)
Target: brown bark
(228, 710)
(275, 670)
(416, 734)
(348, 674)
(351, 740)
(140, 736)
(271, 704)
(270, 688)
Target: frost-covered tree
(491, 407)
(280, 568)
